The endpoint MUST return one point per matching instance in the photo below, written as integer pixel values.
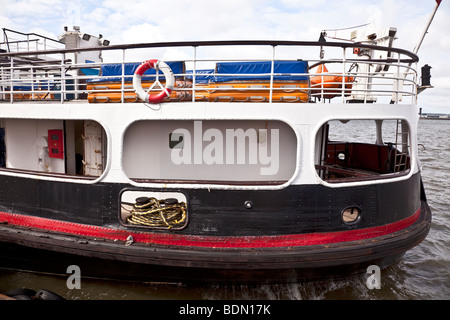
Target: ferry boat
(238, 161)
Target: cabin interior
(56, 147)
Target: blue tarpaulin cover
(90, 71)
(241, 71)
(115, 69)
(202, 76)
(288, 68)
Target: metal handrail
(41, 72)
(413, 57)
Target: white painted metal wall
(305, 120)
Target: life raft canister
(168, 74)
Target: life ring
(168, 74)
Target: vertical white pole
(63, 78)
(272, 69)
(193, 74)
(416, 49)
(122, 93)
(11, 88)
(344, 77)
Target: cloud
(134, 21)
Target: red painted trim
(207, 241)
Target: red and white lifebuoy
(168, 74)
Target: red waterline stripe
(207, 241)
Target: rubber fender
(21, 294)
(47, 295)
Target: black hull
(296, 209)
(21, 248)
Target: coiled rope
(158, 213)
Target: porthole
(351, 215)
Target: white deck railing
(52, 75)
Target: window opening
(53, 147)
(358, 150)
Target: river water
(423, 273)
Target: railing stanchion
(272, 69)
(344, 75)
(193, 73)
(63, 78)
(32, 82)
(122, 95)
(11, 87)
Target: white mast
(416, 49)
